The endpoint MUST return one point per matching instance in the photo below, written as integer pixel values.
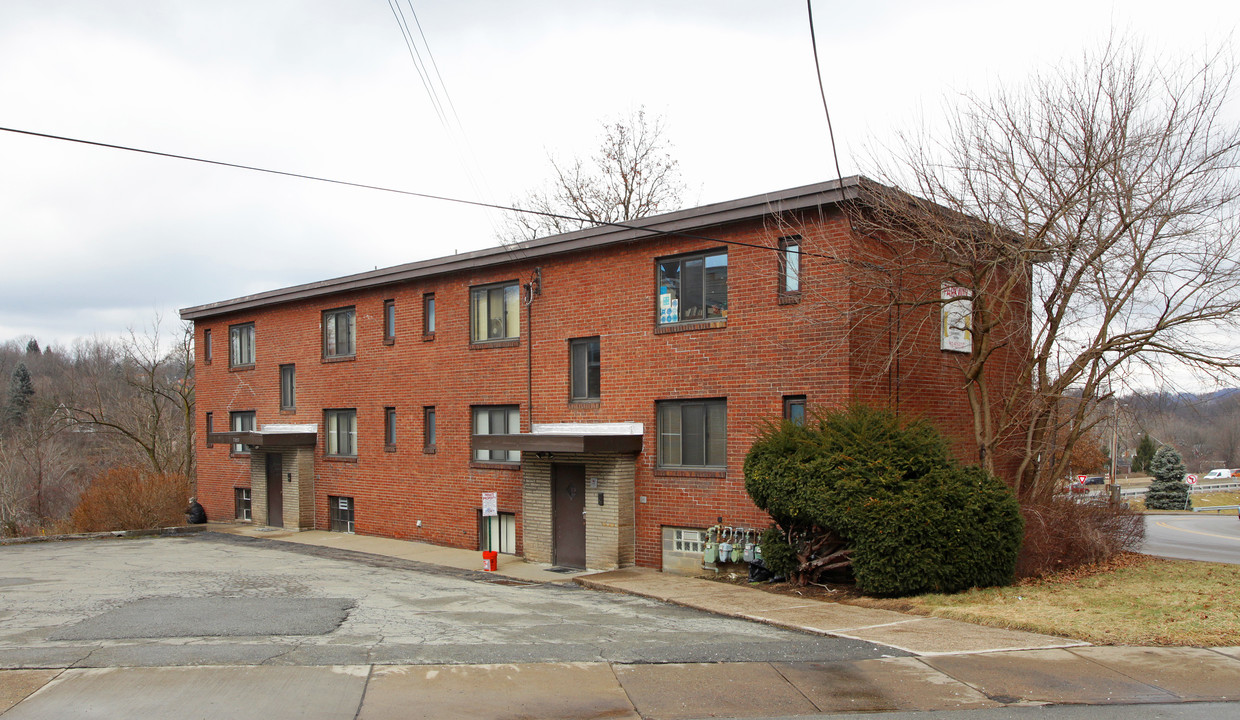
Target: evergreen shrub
(914, 519)
(1168, 491)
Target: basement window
(241, 504)
(341, 513)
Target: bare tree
(141, 391)
(632, 175)
(1099, 203)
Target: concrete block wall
(610, 538)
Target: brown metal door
(568, 486)
(275, 490)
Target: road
(215, 600)
(1213, 538)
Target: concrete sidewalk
(510, 566)
(912, 633)
(959, 683)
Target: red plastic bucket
(490, 560)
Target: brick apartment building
(605, 384)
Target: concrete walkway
(918, 635)
(957, 667)
(510, 566)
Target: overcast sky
(93, 241)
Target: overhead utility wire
(434, 65)
(418, 63)
(411, 193)
(809, 6)
(442, 106)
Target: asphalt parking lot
(222, 600)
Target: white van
(1221, 474)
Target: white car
(1221, 474)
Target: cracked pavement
(222, 600)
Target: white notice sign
(490, 504)
(956, 315)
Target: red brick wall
(766, 351)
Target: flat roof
(674, 224)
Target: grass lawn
(1199, 501)
(1135, 600)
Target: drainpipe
(532, 290)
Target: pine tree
(32, 347)
(1145, 453)
(21, 390)
(1168, 491)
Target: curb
(150, 532)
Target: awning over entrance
(569, 438)
(273, 436)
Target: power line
(809, 6)
(410, 193)
(452, 126)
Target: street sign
(490, 505)
(1191, 479)
(1081, 479)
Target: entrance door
(568, 485)
(275, 490)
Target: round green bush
(915, 519)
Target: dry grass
(1213, 499)
(1134, 600)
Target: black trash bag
(195, 514)
(758, 572)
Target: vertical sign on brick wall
(956, 318)
(490, 504)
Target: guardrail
(1218, 508)
(1218, 487)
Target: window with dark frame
(389, 427)
(693, 434)
(790, 265)
(210, 428)
(339, 328)
(428, 314)
(496, 420)
(341, 513)
(389, 321)
(692, 288)
(428, 429)
(206, 346)
(794, 408)
(241, 421)
(241, 345)
(497, 532)
(584, 368)
(241, 503)
(495, 312)
(341, 429)
(288, 387)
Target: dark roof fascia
(681, 221)
(264, 439)
(559, 442)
